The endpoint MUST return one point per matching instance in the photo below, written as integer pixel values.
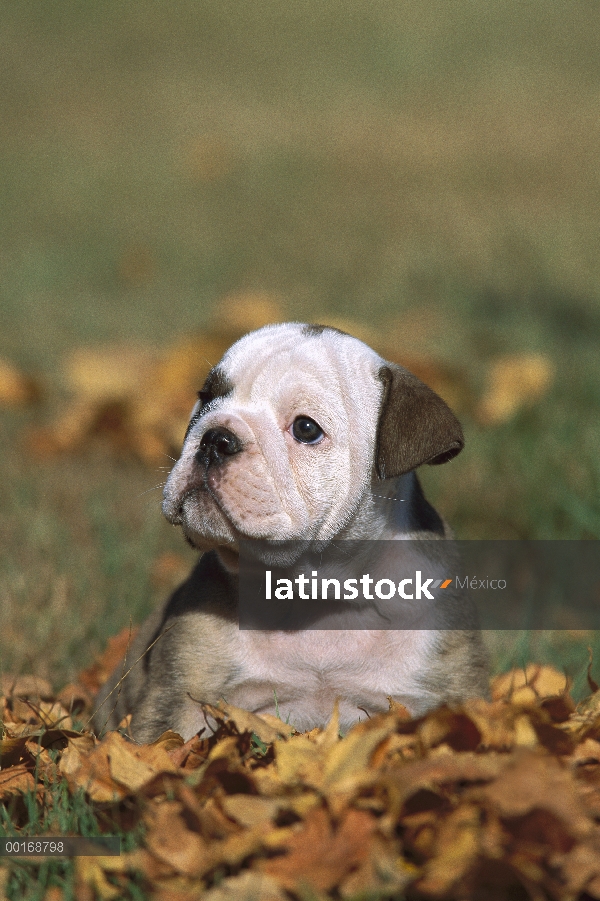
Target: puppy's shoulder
(209, 588)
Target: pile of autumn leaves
(490, 800)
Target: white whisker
(162, 485)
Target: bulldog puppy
(303, 433)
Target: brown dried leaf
(90, 770)
(246, 886)
(451, 727)
(533, 781)
(13, 747)
(299, 760)
(25, 687)
(170, 840)
(169, 570)
(170, 742)
(581, 868)
(456, 849)
(586, 753)
(135, 766)
(382, 871)
(16, 388)
(114, 372)
(399, 709)
(514, 382)
(92, 872)
(526, 686)
(407, 781)
(94, 677)
(245, 311)
(74, 698)
(347, 761)
(496, 722)
(320, 855)
(250, 810)
(559, 709)
(267, 731)
(16, 780)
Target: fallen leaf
(74, 698)
(244, 721)
(17, 738)
(399, 709)
(16, 388)
(455, 850)
(16, 780)
(247, 886)
(134, 766)
(172, 842)
(249, 810)
(451, 727)
(531, 781)
(245, 311)
(527, 685)
(94, 677)
(90, 770)
(110, 373)
(514, 382)
(25, 687)
(169, 570)
(92, 872)
(382, 871)
(299, 760)
(320, 855)
(349, 758)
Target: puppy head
(289, 432)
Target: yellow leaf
(113, 372)
(298, 759)
(351, 755)
(25, 687)
(525, 734)
(514, 382)
(267, 730)
(527, 685)
(15, 387)
(91, 871)
(250, 810)
(133, 767)
(244, 311)
(246, 886)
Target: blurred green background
(434, 164)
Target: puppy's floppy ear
(415, 425)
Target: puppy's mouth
(204, 521)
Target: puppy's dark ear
(415, 425)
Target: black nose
(217, 444)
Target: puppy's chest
(340, 661)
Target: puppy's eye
(306, 430)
